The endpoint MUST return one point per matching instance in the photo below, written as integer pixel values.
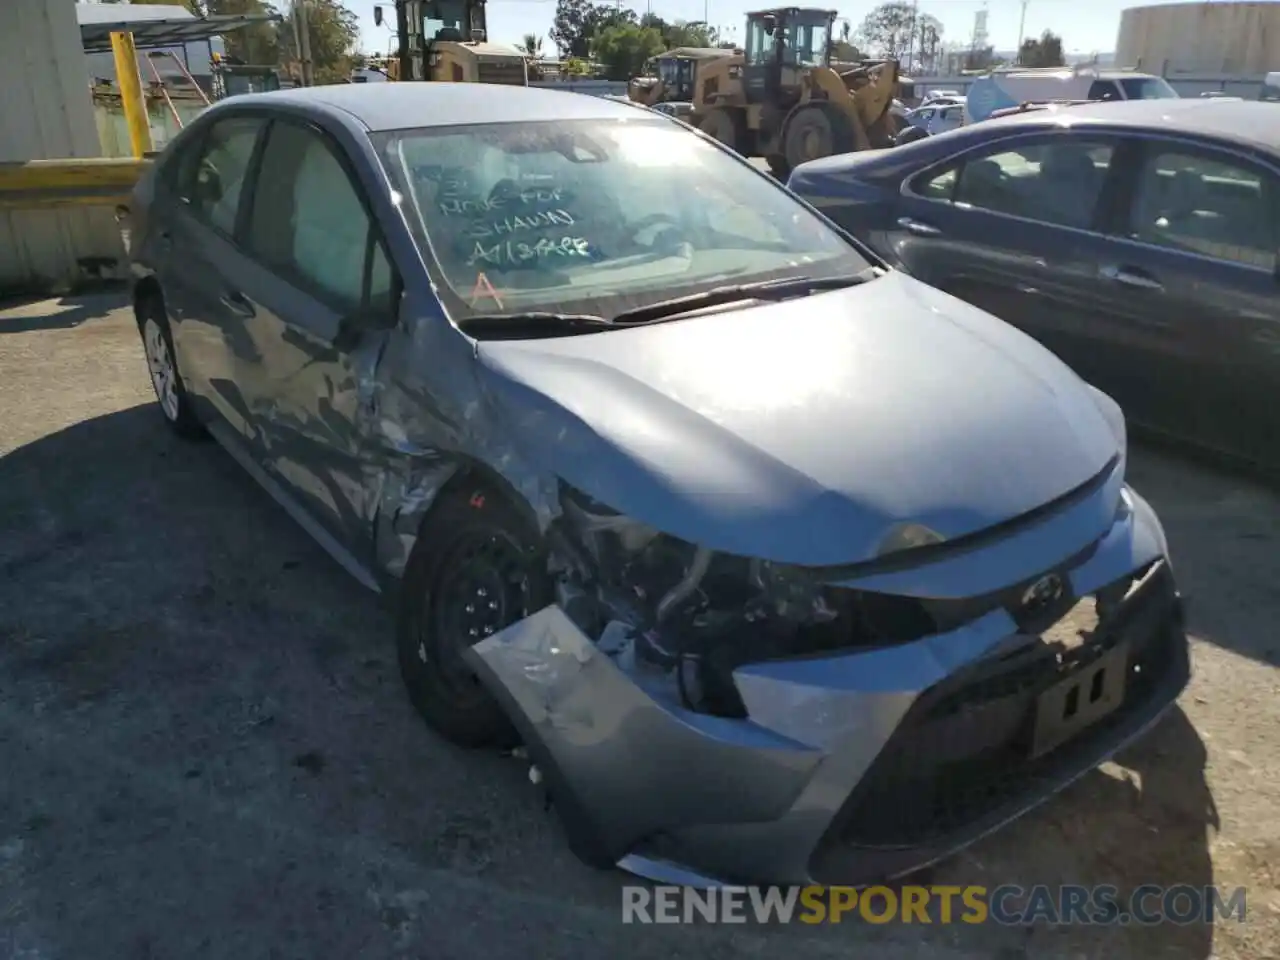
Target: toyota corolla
(781, 565)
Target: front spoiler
(678, 796)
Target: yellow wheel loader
(670, 78)
(448, 40)
(784, 99)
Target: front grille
(511, 74)
(964, 749)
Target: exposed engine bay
(683, 617)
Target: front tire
(723, 124)
(477, 568)
(171, 392)
(813, 131)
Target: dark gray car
(1136, 239)
(763, 550)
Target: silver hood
(805, 431)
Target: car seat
(982, 184)
(1069, 185)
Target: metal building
(46, 113)
(1201, 38)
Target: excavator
(670, 77)
(784, 98)
(449, 40)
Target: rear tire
(162, 364)
(723, 124)
(813, 131)
(477, 568)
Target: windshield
(597, 216)
(1147, 88)
(807, 41)
(1270, 89)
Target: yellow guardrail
(93, 182)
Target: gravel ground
(205, 750)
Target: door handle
(918, 228)
(237, 304)
(1130, 278)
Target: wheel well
(473, 478)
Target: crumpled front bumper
(849, 769)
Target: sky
(1086, 26)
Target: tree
(887, 31)
(531, 46)
(604, 15)
(257, 43)
(623, 48)
(928, 41)
(684, 34)
(979, 58)
(1044, 52)
(576, 22)
(333, 30)
(571, 28)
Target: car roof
(397, 106)
(1246, 122)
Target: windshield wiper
(763, 290)
(534, 323)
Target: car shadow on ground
(201, 657)
(61, 313)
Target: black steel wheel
(475, 570)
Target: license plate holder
(1080, 700)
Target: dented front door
(319, 303)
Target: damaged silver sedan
(782, 566)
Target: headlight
(1114, 416)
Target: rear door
(199, 229)
(1014, 227)
(1192, 261)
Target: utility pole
(1022, 26)
(303, 28)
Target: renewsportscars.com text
(1008, 905)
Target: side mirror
(377, 16)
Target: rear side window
(1057, 182)
(212, 177)
(1208, 204)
